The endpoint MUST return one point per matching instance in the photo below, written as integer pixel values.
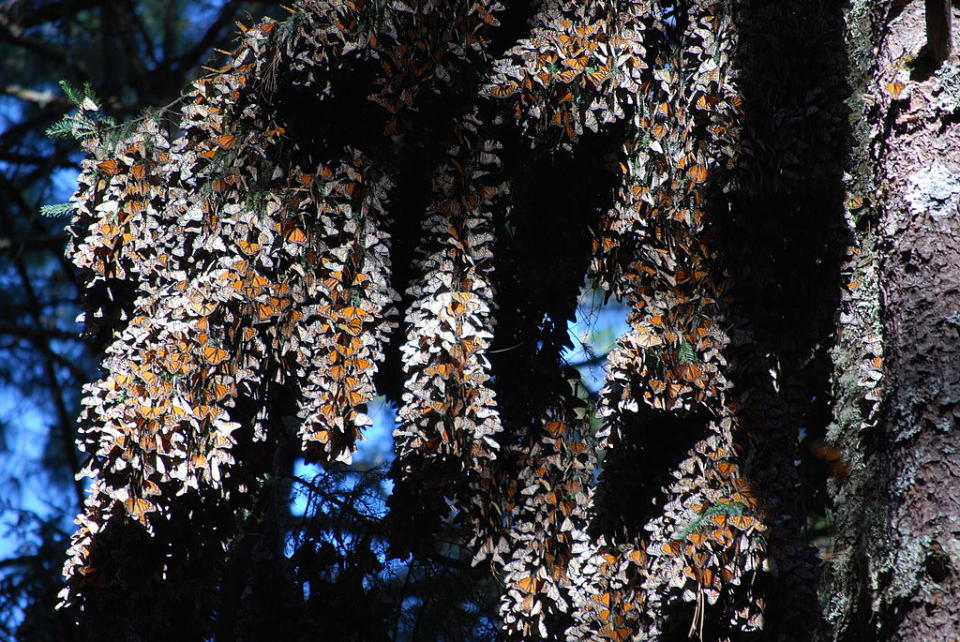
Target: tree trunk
(894, 573)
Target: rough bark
(894, 574)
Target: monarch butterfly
(354, 313)
(151, 412)
(697, 173)
(360, 364)
(266, 310)
(486, 16)
(722, 536)
(706, 102)
(356, 398)
(556, 428)
(638, 557)
(726, 468)
(705, 576)
(895, 88)
(296, 235)
(347, 350)
(203, 308)
(110, 167)
(443, 370)
(671, 548)
(528, 584)
(248, 247)
(459, 305)
(598, 76)
(214, 355)
(720, 519)
(546, 58)
(137, 506)
(743, 522)
(150, 487)
(109, 230)
(854, 203)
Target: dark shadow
(543, 251)
(629, 492)
(783, 242)
(924, 65)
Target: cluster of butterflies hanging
(233, 261)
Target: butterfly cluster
(577, 70)
(546, 507)
(655, 245)
(449, 422)
(207, 262)
(247, 264)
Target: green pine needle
(56, 210)
(686, 353)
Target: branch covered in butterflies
(252, 260)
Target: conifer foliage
(341, 205)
